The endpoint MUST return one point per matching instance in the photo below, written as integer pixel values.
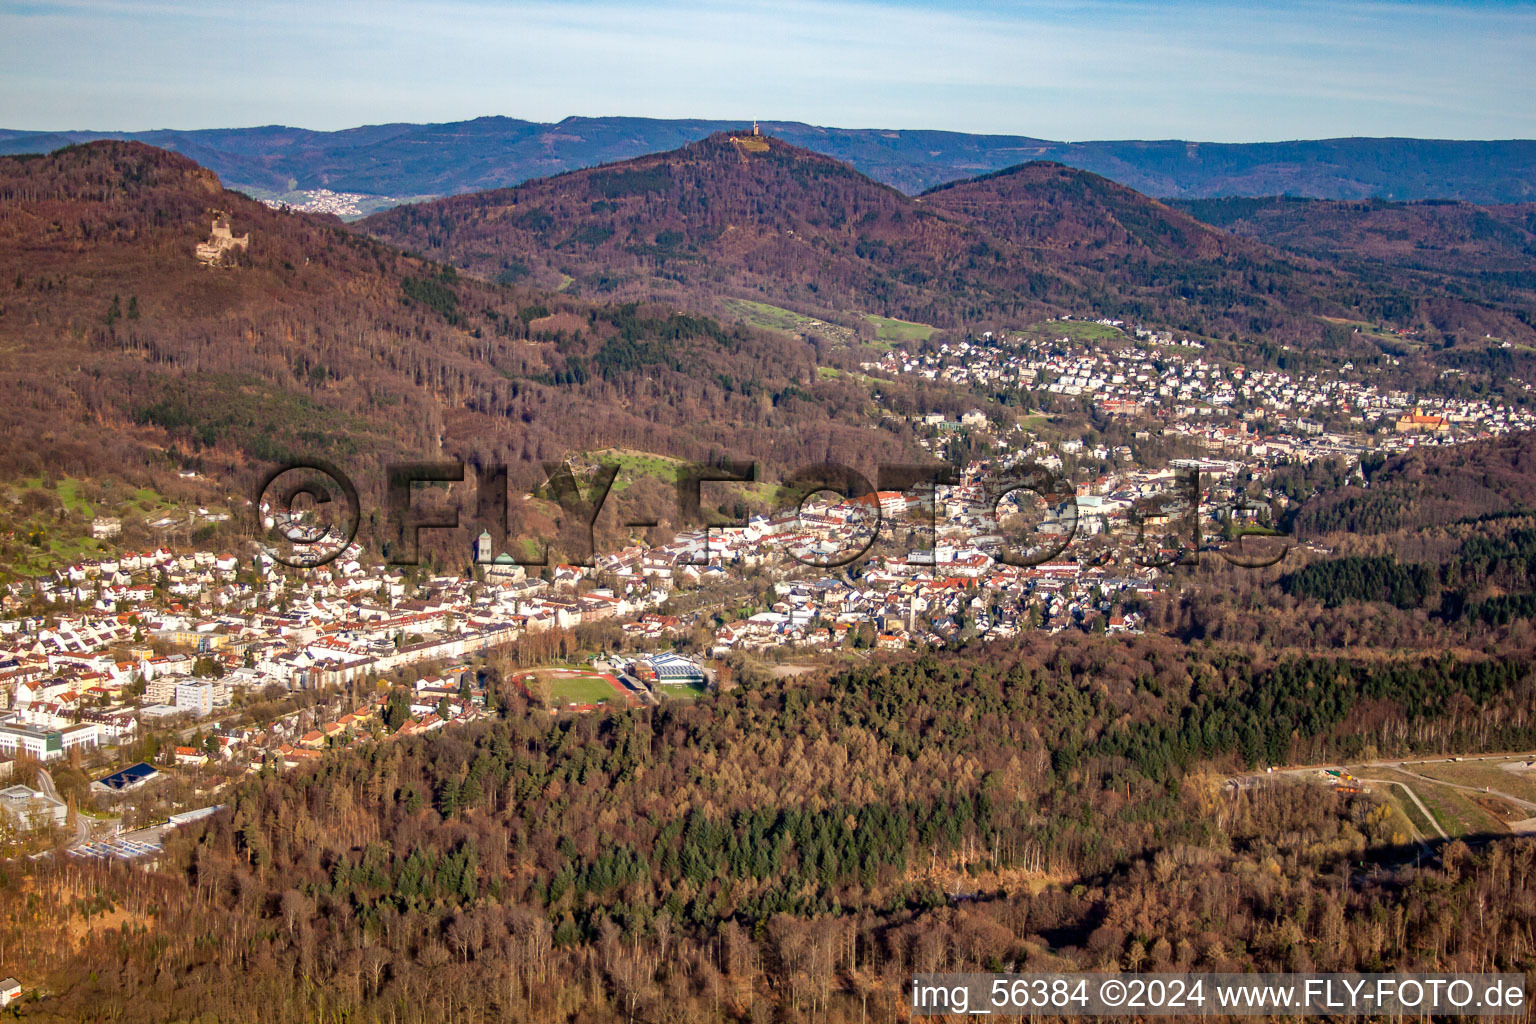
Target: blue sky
(1197, 69)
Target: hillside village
(1176, 382)
(181, 640)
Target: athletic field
(574, 686)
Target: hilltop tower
(751, 142)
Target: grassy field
(576, 686)
(690, 691)
(1408, 810)
(634, 465)
(1376, 333)
(889, 329)
(1483, 773)
(146, 501)
(1454, 810)
(70, 494)
(38, 540)
(777, 318)
(68, 491)
(833, 373)
(1364, 327)
(34, 540)
(584, 690)
(1077, 330)
(56, 552)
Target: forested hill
(494, 152)
(1444, 236)
(796, 850)
(1486, 252)
(715, 214)
(125, 352)
(760, 217)
(1051, 208)
(1428, 488)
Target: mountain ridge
(404, 159)
(126, 353)
(711, 219)
(1433, 234)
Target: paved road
(1416, 802)
(1529, 805)
(85, 825)
(45, 784)
(46, 787)
(1401, 766)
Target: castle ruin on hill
(221, 244)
